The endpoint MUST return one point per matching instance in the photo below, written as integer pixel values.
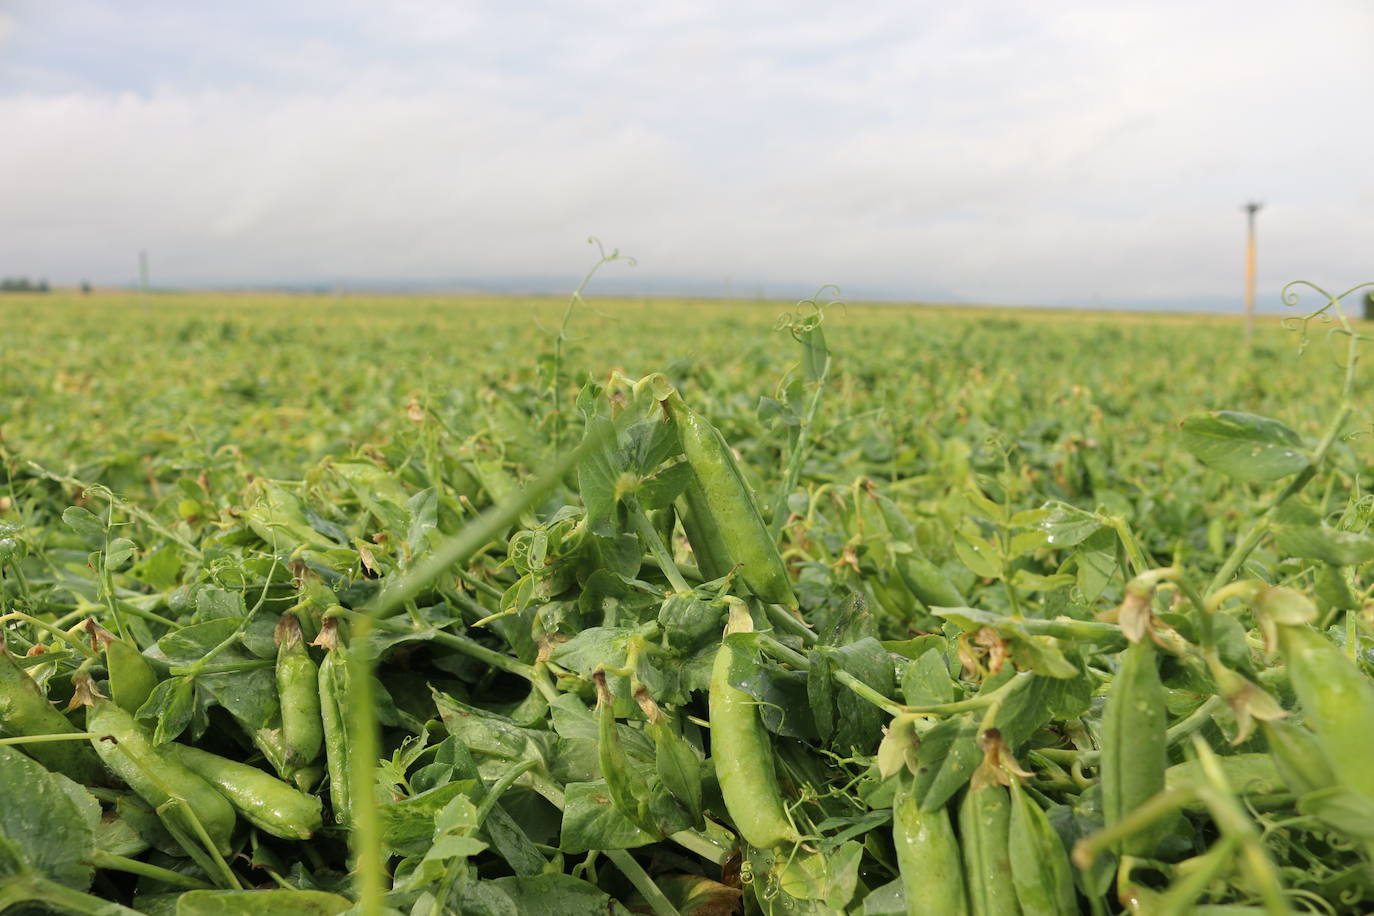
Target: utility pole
(1250, 210)
(143, 277)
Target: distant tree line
(25, 285)
(22, 285)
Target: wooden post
(143, 277)
(1250, 210)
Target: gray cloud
(1071, 152)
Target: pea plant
(855, 622)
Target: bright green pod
(742, 531)
(333, 688)
(1338, 700)
(1040, 868)
(302, 727)
(264, 800)
(741, 751)
(928, 858)
(132, 678)
(932, 587)
(984, 826)
(1298, 757)
(24, 710)
(1134, 743)
(628, 790)
(703, 534)
(155, 775)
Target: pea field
(488, 605)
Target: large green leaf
(1319, 542)
(1243, 445)
(261, 903)
(50, 820)
(559, 895)
(591, 821)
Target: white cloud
(1079, 151)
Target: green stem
(202, 664)
(1178, 900)
(1231, 818)
(61, 634)
(365, 743)
(631, 869)
(660, 553)
(475, 650)
(102, 859)
(226, 668)
(1193, 721)
(983, 701)
(43, 739)
(1134, 552)
(798, 454)
(1256, 534)
(703, 845)
(1157, 807)
(493, 793)
(783, 654)
(781, 618)
(36, 888)
(485, 588)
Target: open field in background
(1024, 464)
(103, 382)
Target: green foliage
(975, 514)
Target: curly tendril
(810, 313)
(1331, 311)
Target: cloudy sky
(1060, 152)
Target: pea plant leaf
(50, 820)
(1322, 542)
(1244, 446)
(261, 903)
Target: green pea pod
(334, 691)
(127, 748)
(24, 710)
(264, 801)
(307, 778)
(932, 587)
(742, 531)
(628, 790)
(677, 762)
(1298, 757)
(893, 596)
(1040, 869)
(298, 689)
(984, 826)
(1338, 700)
(927, 857)
(132, 678)
(1134, 745)
(741, 751)
(703, 534)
